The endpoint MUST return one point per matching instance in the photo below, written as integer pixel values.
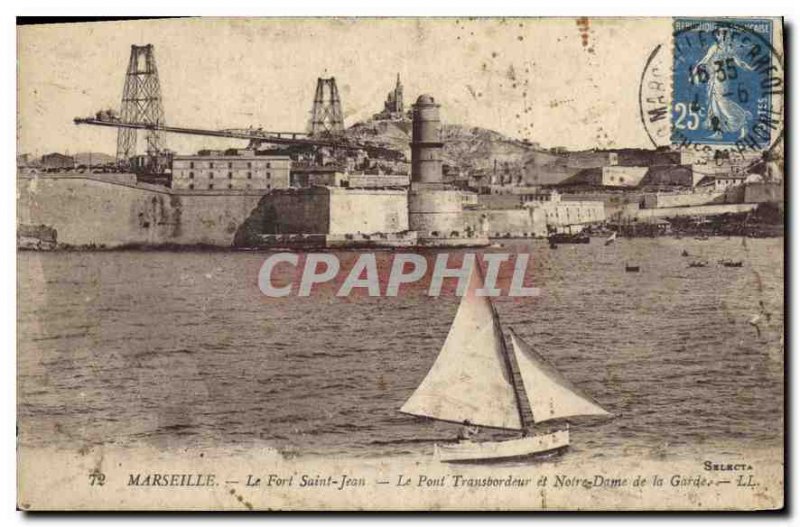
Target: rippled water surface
(181, 349)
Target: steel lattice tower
(326, 114)
(141, 103)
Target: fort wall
(367, 211)
(329, 210)
(107, 211)
(522, 222)
(685, 199)
(700, 210)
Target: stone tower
(426, 143)
(435, 210)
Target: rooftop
(233, 152)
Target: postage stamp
(716, 92)
(721, 95)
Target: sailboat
(476, 380)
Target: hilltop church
(393, 105)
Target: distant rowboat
(580, 237)
(731, 263)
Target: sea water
(182, 350)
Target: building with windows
(57, 161)
(316, 176)
(559, 214)
(331, 176)
(230, 170)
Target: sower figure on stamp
(718, 69)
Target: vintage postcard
(417, 264)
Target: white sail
(469, 380)
(550, 394)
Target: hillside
(479, 148)
(387, 134)
(464, 147)
(472, 148)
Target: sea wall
(97, 210)
(524, 222)
(564, 213)
(367, 211)
(293, 211)
(683, 199)
(700, 210)
(331, 210)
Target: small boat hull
(569, 238)
(493, 451)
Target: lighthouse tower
(426, 144)
(436, 210)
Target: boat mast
(512, 369)
(523, 407)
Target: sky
(557, 82)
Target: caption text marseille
(406, 268)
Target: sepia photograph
(401, 264)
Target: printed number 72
(97, 478)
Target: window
(210, 175)
(191, 164)
(191, 175)
(230, 165)
(211, 165)
(210, 186)
(268, 175)
(249, 175)
(249, 164)
(268, 164)
(191, 186)
(230, 185)
(268, 187)
(230, 175)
